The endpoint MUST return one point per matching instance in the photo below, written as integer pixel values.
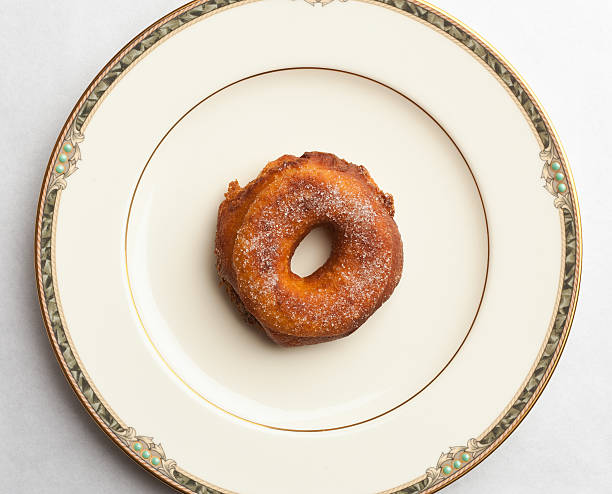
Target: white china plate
(484, 202)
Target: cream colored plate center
(197, 332)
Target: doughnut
(260, 226)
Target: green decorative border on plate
(451, 464)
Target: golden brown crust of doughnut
(240, 216)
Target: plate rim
(434, 479)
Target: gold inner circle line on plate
(414, 395)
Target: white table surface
(49, 53)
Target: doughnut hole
(313, 251)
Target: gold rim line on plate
(414, 395)
(489, 47)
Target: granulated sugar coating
(260, 226)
